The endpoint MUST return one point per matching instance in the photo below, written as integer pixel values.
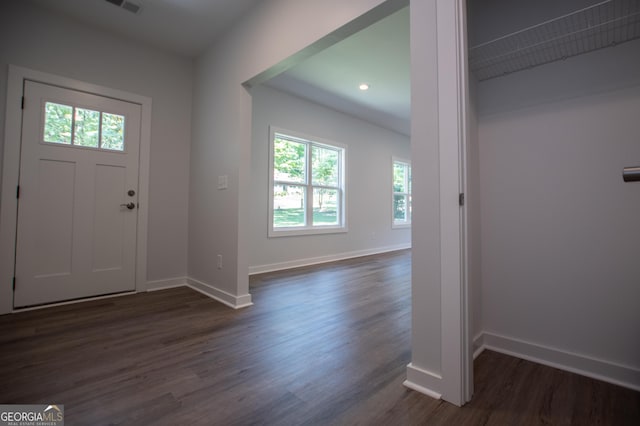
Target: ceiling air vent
(127, 5)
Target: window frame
(400, 224)
(75, 106)
(310, 141)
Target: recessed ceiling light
(364, 86)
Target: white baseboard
(478, 345)
(150, 286)
(598, 369)
(235, 302)
(166, 284)
(261, 269)
(423, 381)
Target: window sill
(295, 232)
(401, 226)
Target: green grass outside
(295, 217)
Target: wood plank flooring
(322, 345)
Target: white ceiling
(378, 55)
(185, 27)
(559, 31)
(491, 19)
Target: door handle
(130, 206)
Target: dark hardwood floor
(322, 345)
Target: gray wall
(559, 227)
(42, 40)
(222, 128)
(369, 157)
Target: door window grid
(82, 127)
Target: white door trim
(11, 171)
(457, 362)
(441, 364)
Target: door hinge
(461, 200)
(22, 103)
(18, 192)
(14, 283)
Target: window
(68, 125)
(306, 185)
(401, 193)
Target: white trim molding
(478, 345)
(227, 299)
(235, 302)
(11, 171)
(423, 381)
(621, 375)
(440, 308)
(456, 362)
(167, 284)
(261, 269)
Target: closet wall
(560, 270)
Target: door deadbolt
(131, 193)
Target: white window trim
(307, 230)
(394, 224)
(73, 120)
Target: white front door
(77, 206)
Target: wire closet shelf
(598, 26)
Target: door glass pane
(87, 128)
(289, 160)
(57, 123)
(324, 164)
(112, 132)
(325, 206)
(400, 208)
(288, 206)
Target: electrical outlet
(219, 261)
(223, 182)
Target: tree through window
(72, 125)
(401, 193)
(307, 194)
